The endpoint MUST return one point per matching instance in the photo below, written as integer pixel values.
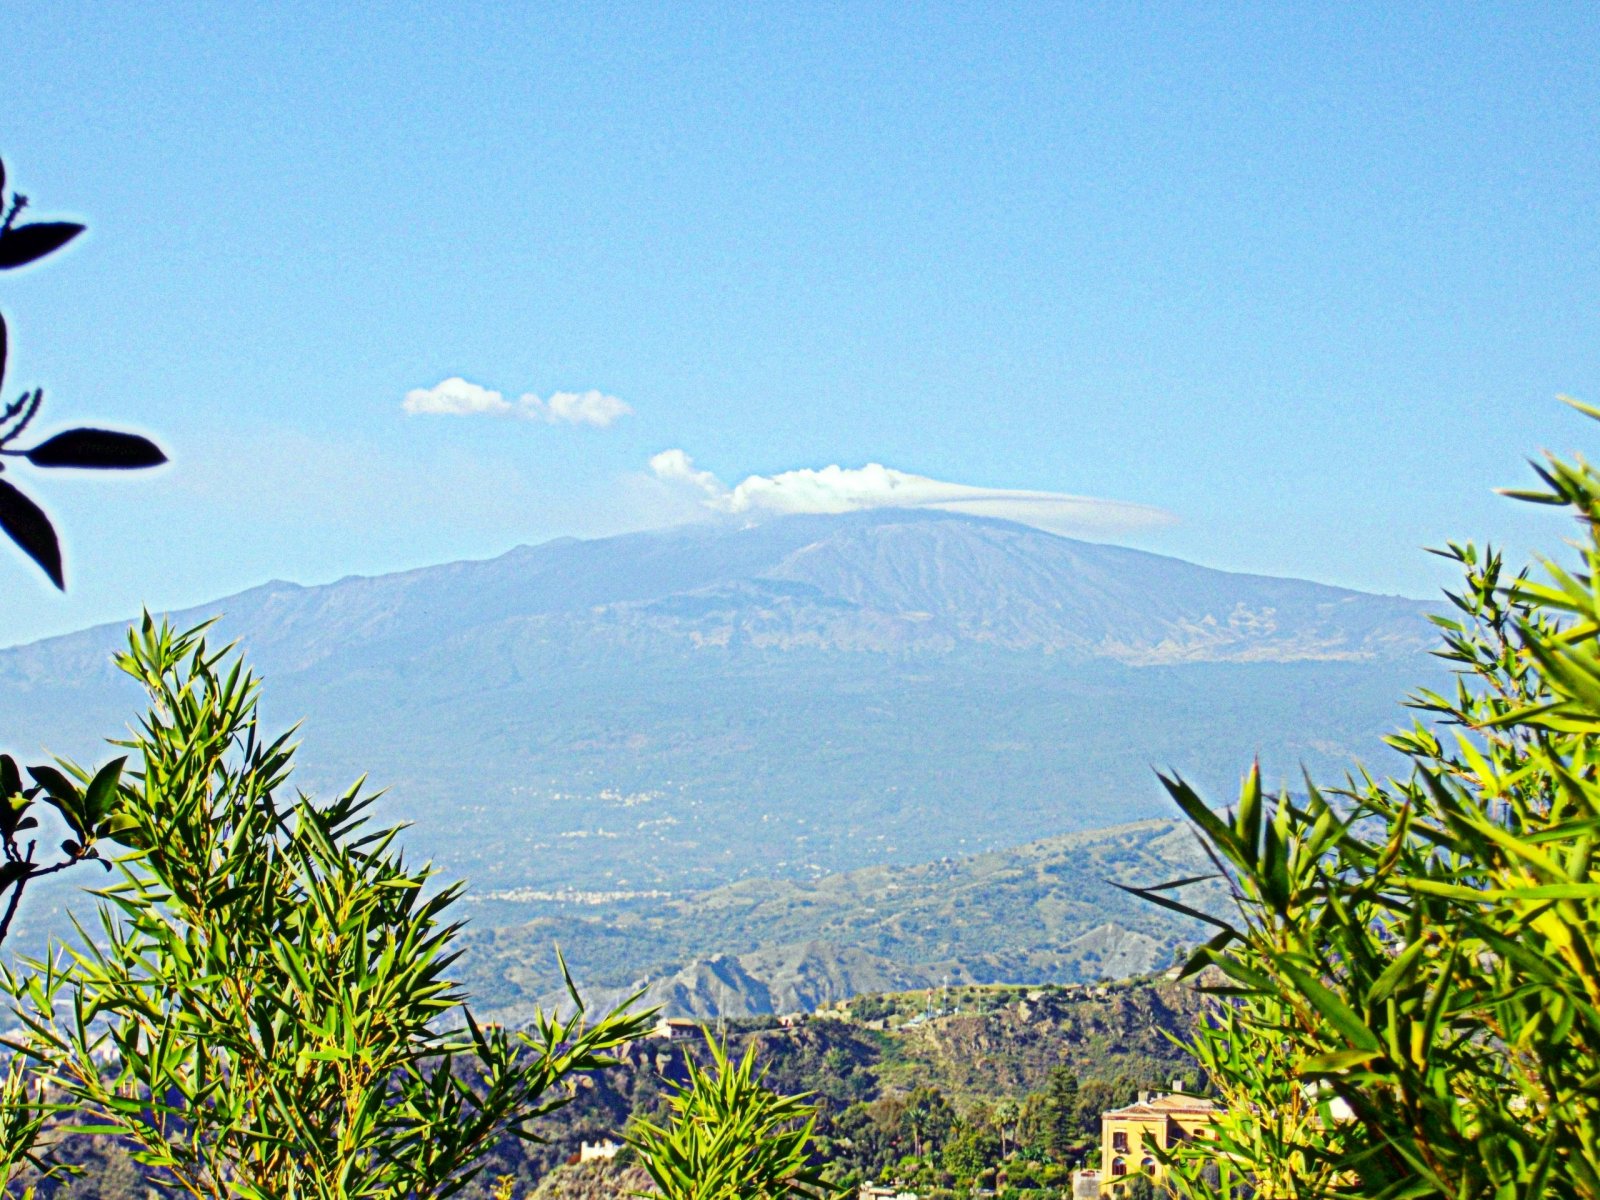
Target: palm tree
(1007, 1113)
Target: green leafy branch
(268, 1009)
(86, 804)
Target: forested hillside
(901, 1079)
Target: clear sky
(1302, 280)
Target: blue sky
(1306, 279)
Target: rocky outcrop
(598, 1179)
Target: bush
(970, 1152)
(263, 1014)
(1022, 1173)
(1413, 997)
(730, 1137)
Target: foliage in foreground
(85, 808)
(261, 1015)
(730, 1137)
(1049, 1077)
(1413, 997)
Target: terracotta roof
(1162, 1106)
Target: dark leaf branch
(88, 807)
(21, 411)
(25, 524)
(96, 450)
(24, 244)
(23, 521)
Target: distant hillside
(1040, 913)
(981, 1045)
(670, 711)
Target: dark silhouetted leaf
(19, 414)
(27, 526)
(102, 449)
(29, 243)
(2, 351)
(55, 784)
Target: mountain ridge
(827, 557)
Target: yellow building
(1126, 1134)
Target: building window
(1119, 1166)
(1119, 1141)
(1149, 1165)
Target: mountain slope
(882, 580)
(671, 710)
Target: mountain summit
(809, 694)
(933, 581)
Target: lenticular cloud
(849, 489)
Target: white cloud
(457, 398)
(848, 489)
(575, 408)
(674, 466)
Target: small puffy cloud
(575, 408)
(674, 466)
(456, 397)
(848, 489)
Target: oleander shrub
(267, 1009)
(1412, 996)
